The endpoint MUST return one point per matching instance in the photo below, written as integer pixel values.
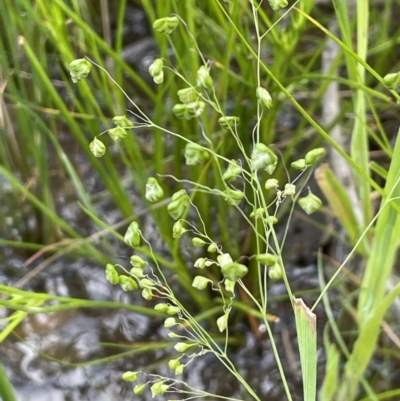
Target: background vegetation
(47, 122)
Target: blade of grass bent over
(307, 337)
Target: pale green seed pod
(179, 204)
(127, 283)
(156, 67)
(195, 154)
(200, 263)
(137, 261)
(122, 121)
(147, 294)
(204, 78)
(154, 192)
(139, 388)
(233, 171)
(233, 196)
(392, 80)
(299, 164)
(173, 310)
(187, 111)
(166, 25)
(130, 376)
(310, 203)
(179, 371)
(258, 213)
(159, 78)
(290, 190)
(264, 158)
(278, 5)
(271, 220)
(229, 285)
(97, 147)
(224, 259)
(222, 321)
(79, 69)
(132, 236)
(180, 110)
(161, 307)
(212, 247)
(158, 388)
(112, 274)
(271, 168)
(146, 283)
(137, 272)
(234, 271)
(117, 133)
(198, 242)
(195, 109)
(182, 347)
(266, 259)
(275, 271)
(229, 121)
(170, 322)
(173, 364)
(200, 282)
(313, 155)
(187, 95)
(174, 335)
(271, 183)
(164, 388)
(264, 97)
(178, 230)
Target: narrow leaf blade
(306, 332)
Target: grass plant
(6, 389)
(224, 55)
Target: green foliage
(211, 111)
(6, 390)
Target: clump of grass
(234, 177)
(230, 96)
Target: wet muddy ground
(57, 356)
(79, 336)
(50, 356)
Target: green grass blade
(15, 319)
(359, 141)
(341, 205)
(307, 338)
(331, 377)
(331, 382)
(60, 303)
(48, 212)
(6, 389)
(387, 236)
(42, 207)
(364, 347)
